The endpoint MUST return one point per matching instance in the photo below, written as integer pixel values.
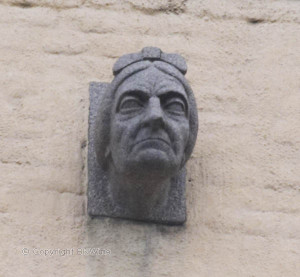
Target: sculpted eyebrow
(142, 95)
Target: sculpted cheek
(180, 134)
(123, 132)
(117, 130)
(186, 133)
(185, 137)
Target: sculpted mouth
(153, 140)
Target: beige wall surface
(243, 183)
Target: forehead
(151, 81)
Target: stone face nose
(154, 114)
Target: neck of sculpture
(137, 195)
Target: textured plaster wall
(243, 185)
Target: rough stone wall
(243, 188)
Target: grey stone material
(142, 130)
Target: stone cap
(150, 54)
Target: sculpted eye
(175, 106)
(130, 104)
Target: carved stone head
(145, 132)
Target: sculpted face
(149, 125)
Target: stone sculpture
(142, 130)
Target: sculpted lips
(153, 142)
